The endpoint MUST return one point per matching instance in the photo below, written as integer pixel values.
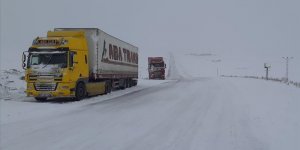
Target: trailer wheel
(80, 91)
(134, 82)
(127, 83)
(123, 82)
(40, 99)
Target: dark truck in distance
(156, 68)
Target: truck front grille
(32, 77)
(45, 86)
(157, 74)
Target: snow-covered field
(195, 110)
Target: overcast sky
(261, 29)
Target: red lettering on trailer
(110, 52)
(115, 52)
(122, 54)
(128, 56)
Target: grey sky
(253, 28)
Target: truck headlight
(60, 75)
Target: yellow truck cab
(60, 65)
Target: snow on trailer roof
(97, 29)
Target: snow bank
(11, 85)
(282, 80)
(172, 69)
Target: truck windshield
(51, 58)
(158, 65)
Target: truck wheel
(129, 82)
(40, 99)
(80, 91)
(134, 82)
(123, 85)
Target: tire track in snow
(177, 126)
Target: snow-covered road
(202, 113)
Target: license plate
(44, 95)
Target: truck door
(78, 65)
(74, 72)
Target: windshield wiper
(48, 62)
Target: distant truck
(156, 68)
(78, 62)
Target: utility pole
(267, 70)
(287, 67)
(217, 61)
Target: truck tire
(134, 82)
(123, 82)
(80, 91)
(40, 99)
(127, 83)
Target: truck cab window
(34, 60)
(72, 54)
(58, 59)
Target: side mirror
(24, 58)
(165, 66)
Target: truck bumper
(61, 90)
(157, 75)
